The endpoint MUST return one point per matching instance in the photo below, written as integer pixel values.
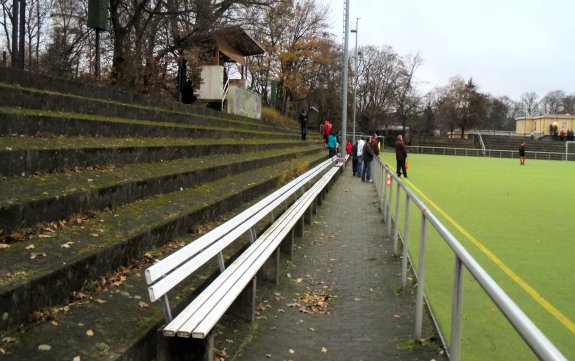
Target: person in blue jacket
(332, 144)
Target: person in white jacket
(360, 144)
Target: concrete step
(25, 201)
(47, 100)
(24, 155)
(44, 270)
(33, 122)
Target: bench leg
(299, 228)
(245, 305)
(314, 206)
(307, 215)
(185, 349)
(286, 247)
(270, 270)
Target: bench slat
(165, 284)
(158, 270)
(273, 239)
(230, 283)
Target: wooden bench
(188, 336)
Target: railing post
(456, 311)
(384, 194)
(420, 279)
(396, 223)
(405, 243)
(388, 207)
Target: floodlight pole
(344, 81)
(355, 75)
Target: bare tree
(552, 102)
(377, 82)
(529, 103)
(407, 100)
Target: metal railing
(385, 181)
(493, 153)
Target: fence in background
(385, 181)
(493, 153)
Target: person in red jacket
(400, 156)
(326, 131)
(348, 146)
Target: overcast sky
(508, 47)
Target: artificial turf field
(519, 224)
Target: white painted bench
(237, 282)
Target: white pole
(355, 76)
(344, 81)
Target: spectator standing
(303, 124)
(368, 155)
(326, 131)
(332, 144)
(400, 156)
(354, 158)
(375, 145)
(347, 146)
(360, 144)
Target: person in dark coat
(303, 124)
(400, 156)
(188, 96)
(354, 158)
(368, 155)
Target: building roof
(236, 44)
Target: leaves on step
(48, 229)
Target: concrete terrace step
(29, 155)
(45, 100)
(25, 201)
(24, 121)
(65, 260)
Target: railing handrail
(535, 339)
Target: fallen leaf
(35, 255)
(67, 245)
(100, 301)
(31, 246)
(45, 236)
(2, 351)
(357, 299)
(4, 246)
(268, 355)
(8, 339)
(77, 358)
(143, 304)
(16, 236)
(44, 347)
(44, 193)
(323, 349)
(299, 280)
(291, 351)
(89, 333)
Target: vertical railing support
(456, 311)
(396, 223)
(388, 209)
(383, 195)
(405, 243)
(420, 279)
